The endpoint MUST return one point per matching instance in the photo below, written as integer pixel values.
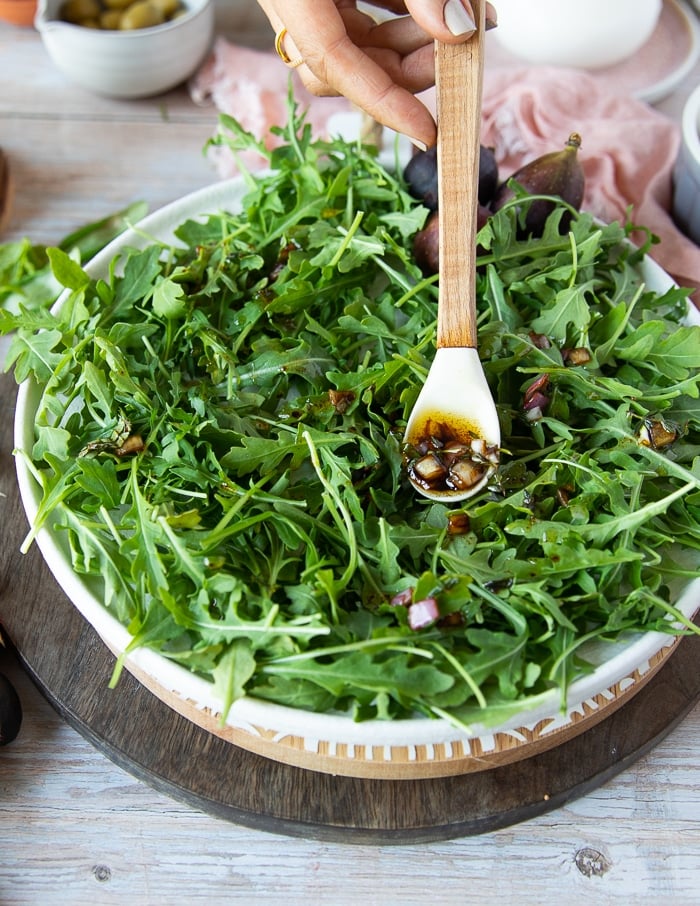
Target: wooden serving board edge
(508, 749)
(498, 798)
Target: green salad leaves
(219, 440)
(26, 277)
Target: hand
(379, 66)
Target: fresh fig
(421, 176)
(488, 175)
(426, 242)
(557, 173)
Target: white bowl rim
(250, 712)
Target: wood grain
(459, 77)
(139, 733)
(75, 827)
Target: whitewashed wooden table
(74, 827)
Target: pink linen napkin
(252, 85)
(628, 148)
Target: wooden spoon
(454, 424)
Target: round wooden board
(140, 733)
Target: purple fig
(421, 176)
(426, 242)
(426, 245)
(557, 173)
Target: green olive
(141, 14)
(116, 4)
(77, 11)
(167, 7)
(109, 20)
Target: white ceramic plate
(654, 71)
(402, 748)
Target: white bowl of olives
(126, 48)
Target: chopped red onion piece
(657, 433)
(539, 385)
(478, 446)
(466, 473)
(429, 468)
(423, 613)
(402, 598)
(456, 447)
(540, 340)
(536, 401)
(458, 523)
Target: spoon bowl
(456, 447)
(453, 435)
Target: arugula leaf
(27, 281)
(34, 354)
(569, 307)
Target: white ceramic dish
(650, 74)
(686, 174)
(128, 64)
(333, 743)
(569, 33)
(667, 57)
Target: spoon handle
(458, 79)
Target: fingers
(403, 34)
(399, 46)
(375, 83)
(377, 66)
(379, 79)
(449, 21)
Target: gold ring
(282, 53)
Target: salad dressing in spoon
(453, 435)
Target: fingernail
(457, 19)
(490, 23)
(419, 144)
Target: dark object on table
(10, 711)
